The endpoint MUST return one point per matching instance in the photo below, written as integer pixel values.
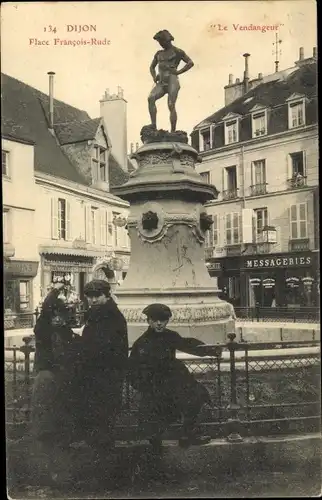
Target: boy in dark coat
(103, 364)
(168, 389)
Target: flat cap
(158, 311)
(97, 287)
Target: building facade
(261, 152)
(21, 257)
(59, 216)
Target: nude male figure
(167, 81)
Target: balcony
(230, 194)
(258, 189)
(296, 182)
(299, 245)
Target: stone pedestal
(167, 226)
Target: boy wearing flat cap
(169, 391)
(102, 368)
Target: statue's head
(164, 38)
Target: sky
(84, 72)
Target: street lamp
(268, 238)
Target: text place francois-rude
(70, 34)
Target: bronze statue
(166, 80)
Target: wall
(19, 196)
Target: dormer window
(231, 132)
(99, 164)
(296, 111)
(231, 122)
(205, 139)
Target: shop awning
(76, 252)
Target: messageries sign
(278, 262)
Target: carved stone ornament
(150, 221)
(205, 221)
(165, 221)
(197, 314)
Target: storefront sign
(278, 262)
(293, 282)
(269, 283)
(255, 281)
(21, 268)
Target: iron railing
(255, 389)
(296, 182)
(230, 194)
(18, 320)
(276, 314)
(258, 189)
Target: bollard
(27, 349)
(233, 407)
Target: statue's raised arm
(166, 80)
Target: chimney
(314, 53)
(237, 80)
(260, 76)
(136, 146)
(230, 79)
(246, 73)
(51, 99)
(113, 108)
(301, 57)
(132, 147)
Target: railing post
(233, 407)
(27, 349)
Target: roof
(69, 133)
(117, 175)
(25, 113)
(271, 92)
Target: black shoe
(200, 440)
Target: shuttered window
(298, 221)
(232, 228)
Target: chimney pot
(137, 146)
(260, 76)
(51, 99)
(301, 53)
(314, 52)
(132, 147)
(230, 79)
(237, 80)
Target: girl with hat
(55, 357)
(169, 391)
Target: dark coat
(167, 387)
(102, 367)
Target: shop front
(227, 272)
(79, 267)
(18, 292)
(281, 280)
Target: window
(231, 132)
(205, 177)
(232, 228)
(205, 139)
(61, 219)
(298, 221)
(99, 164)
(259, 124)
(5, 226)
(5, 163)
(261, 215)
(297, 160)
(93, 227)
(104, 226)
(24, 295)
(211, 239)
(259, 172)
(231, 176)
(115, 231)
(296, 114)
